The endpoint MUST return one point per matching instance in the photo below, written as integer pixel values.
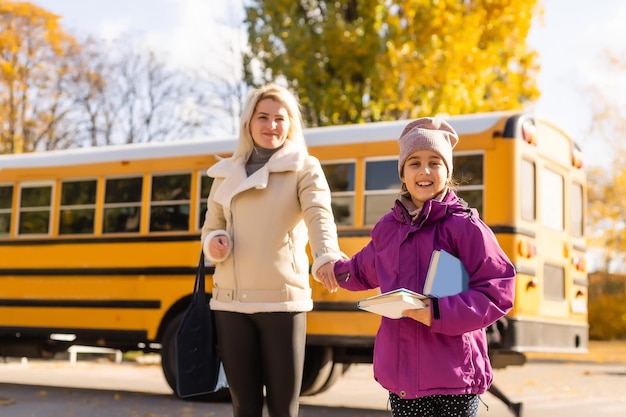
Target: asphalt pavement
(102, 388)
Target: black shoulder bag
(199, 369)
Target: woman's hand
(326, 276)
(218, 247)
(422, 315)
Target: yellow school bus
(98, 246)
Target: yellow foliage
(607, 317)
(607, 211)
(31, 45)
(367, 60)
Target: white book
(391, 304)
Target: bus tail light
(579, 262)
(527, 249)
(532, 283)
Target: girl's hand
(326, 275)
(422, 315)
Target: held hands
(423, 315)
(326, 276)
(218, 247)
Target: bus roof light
(529, 132)
(577, 158)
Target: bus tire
(168, 364)
(320, 371)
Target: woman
(267, 201)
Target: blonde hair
(277, 93)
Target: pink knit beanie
(427, 133)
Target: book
(392, 303)
(446, 275)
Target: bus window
(35, 207)
(122, 205)
(552, 200)
(468, 172)
(340, 178)
(382, 186)
(6, 200)
(527, 190)
(577, 219)
(78, 207)
(169, 202)
(205, 188)
(554, 282)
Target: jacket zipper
(230, 228)
(294, 263)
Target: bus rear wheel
(168, 363)
(320, 371)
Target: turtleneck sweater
(258, 158)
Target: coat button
(403, 393)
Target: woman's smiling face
(425, 175)
(270, 124)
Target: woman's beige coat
(269, 217)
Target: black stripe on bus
(82, 271)
(354, 233)
(133, 304)
(512, 230)
(110, 335)
(24, 241)
(335, 306)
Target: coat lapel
(289, 158)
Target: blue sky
(570, 42)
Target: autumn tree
(607, 183)
(33, 76)
(57, 91)
(129, 95)
(368, 60)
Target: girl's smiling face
(270, 124)
(425, 175)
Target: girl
(434, 360)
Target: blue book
(446, 275)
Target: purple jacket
(450, 357)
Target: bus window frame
(346, 194)
(524, 184)
(548, 198)
(51, 208)
(393, 192)
(201, 200)
(62, 207)
(150, 203)
(141, 204)
(461, 188)
(8, 210)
